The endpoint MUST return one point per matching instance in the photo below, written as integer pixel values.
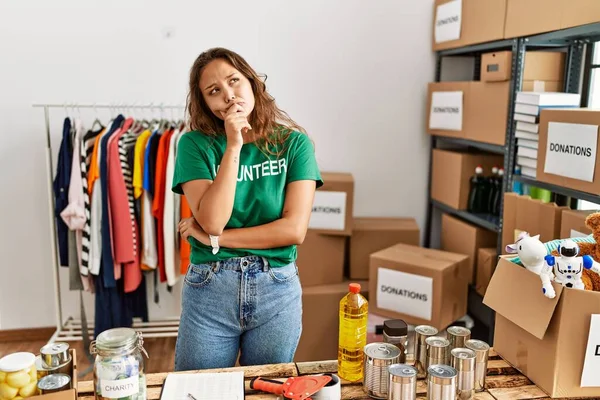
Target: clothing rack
(70, 329)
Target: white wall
(352, 72)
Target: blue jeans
(238, 305)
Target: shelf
(590, 32)
(558, 189)
(478, 48)
(486, 221)
(492, 148)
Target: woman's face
(223, 86)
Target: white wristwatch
(214, 242)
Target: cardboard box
(539, 66)
(571, 159)
(419, 285)
(487, 112)
(333, 206)
(487, 258)
(522, 213)
(579, 12)
(321, 259)
(451, 174)
(469, 110)
(529, 17)
(373, 234)
(572, 224)
(447, 116)
(475, 22)
(463, 238)
(70, 394)
(529, 328)
(320, 321)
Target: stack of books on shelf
(528, 107)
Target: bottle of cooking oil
(353, 334)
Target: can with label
(54, 383)
(403, 382)
(481, 350)
(438, 351)
(377, 358)
(441, 382)
(422, 332)
(458, 335)
(463, 361)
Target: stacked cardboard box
(527, 116)
(336, 240)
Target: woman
(249, 175)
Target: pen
(189, 395)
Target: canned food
(55, 354)
(422, 332)
(437, 351)
(441, 382)
(54, 383)
(481, 350)
(458, 335)
(378, 357)
(42, 370)
(403, 382)
(463, 361)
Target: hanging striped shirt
(87, 149)
(126, 142)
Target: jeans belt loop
(216, 266)
(265, 264)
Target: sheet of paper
(571, 150)
(446, 111)
(591, 365)
(329, 211)
(448, 21)
(204, 386)
(405, 293)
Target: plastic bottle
(498, 195)
(492, 183)
(476, 191)
(354, 310)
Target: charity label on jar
(116, 389)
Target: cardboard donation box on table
(419, 285)
(373, 234)
(333, 205)
(554, 342)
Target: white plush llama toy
(532, 253)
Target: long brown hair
(269, 123)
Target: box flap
(384, 224)
(516, 294)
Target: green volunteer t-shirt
(260, 190)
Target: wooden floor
(161, 351)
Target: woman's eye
(213, 91)
(234, 80)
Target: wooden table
(503, 381)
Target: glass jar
(119, 365)
(18, 376)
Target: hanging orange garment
(185, 248)
(94, 171)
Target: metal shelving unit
(575, 40)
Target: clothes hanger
(96, 121)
